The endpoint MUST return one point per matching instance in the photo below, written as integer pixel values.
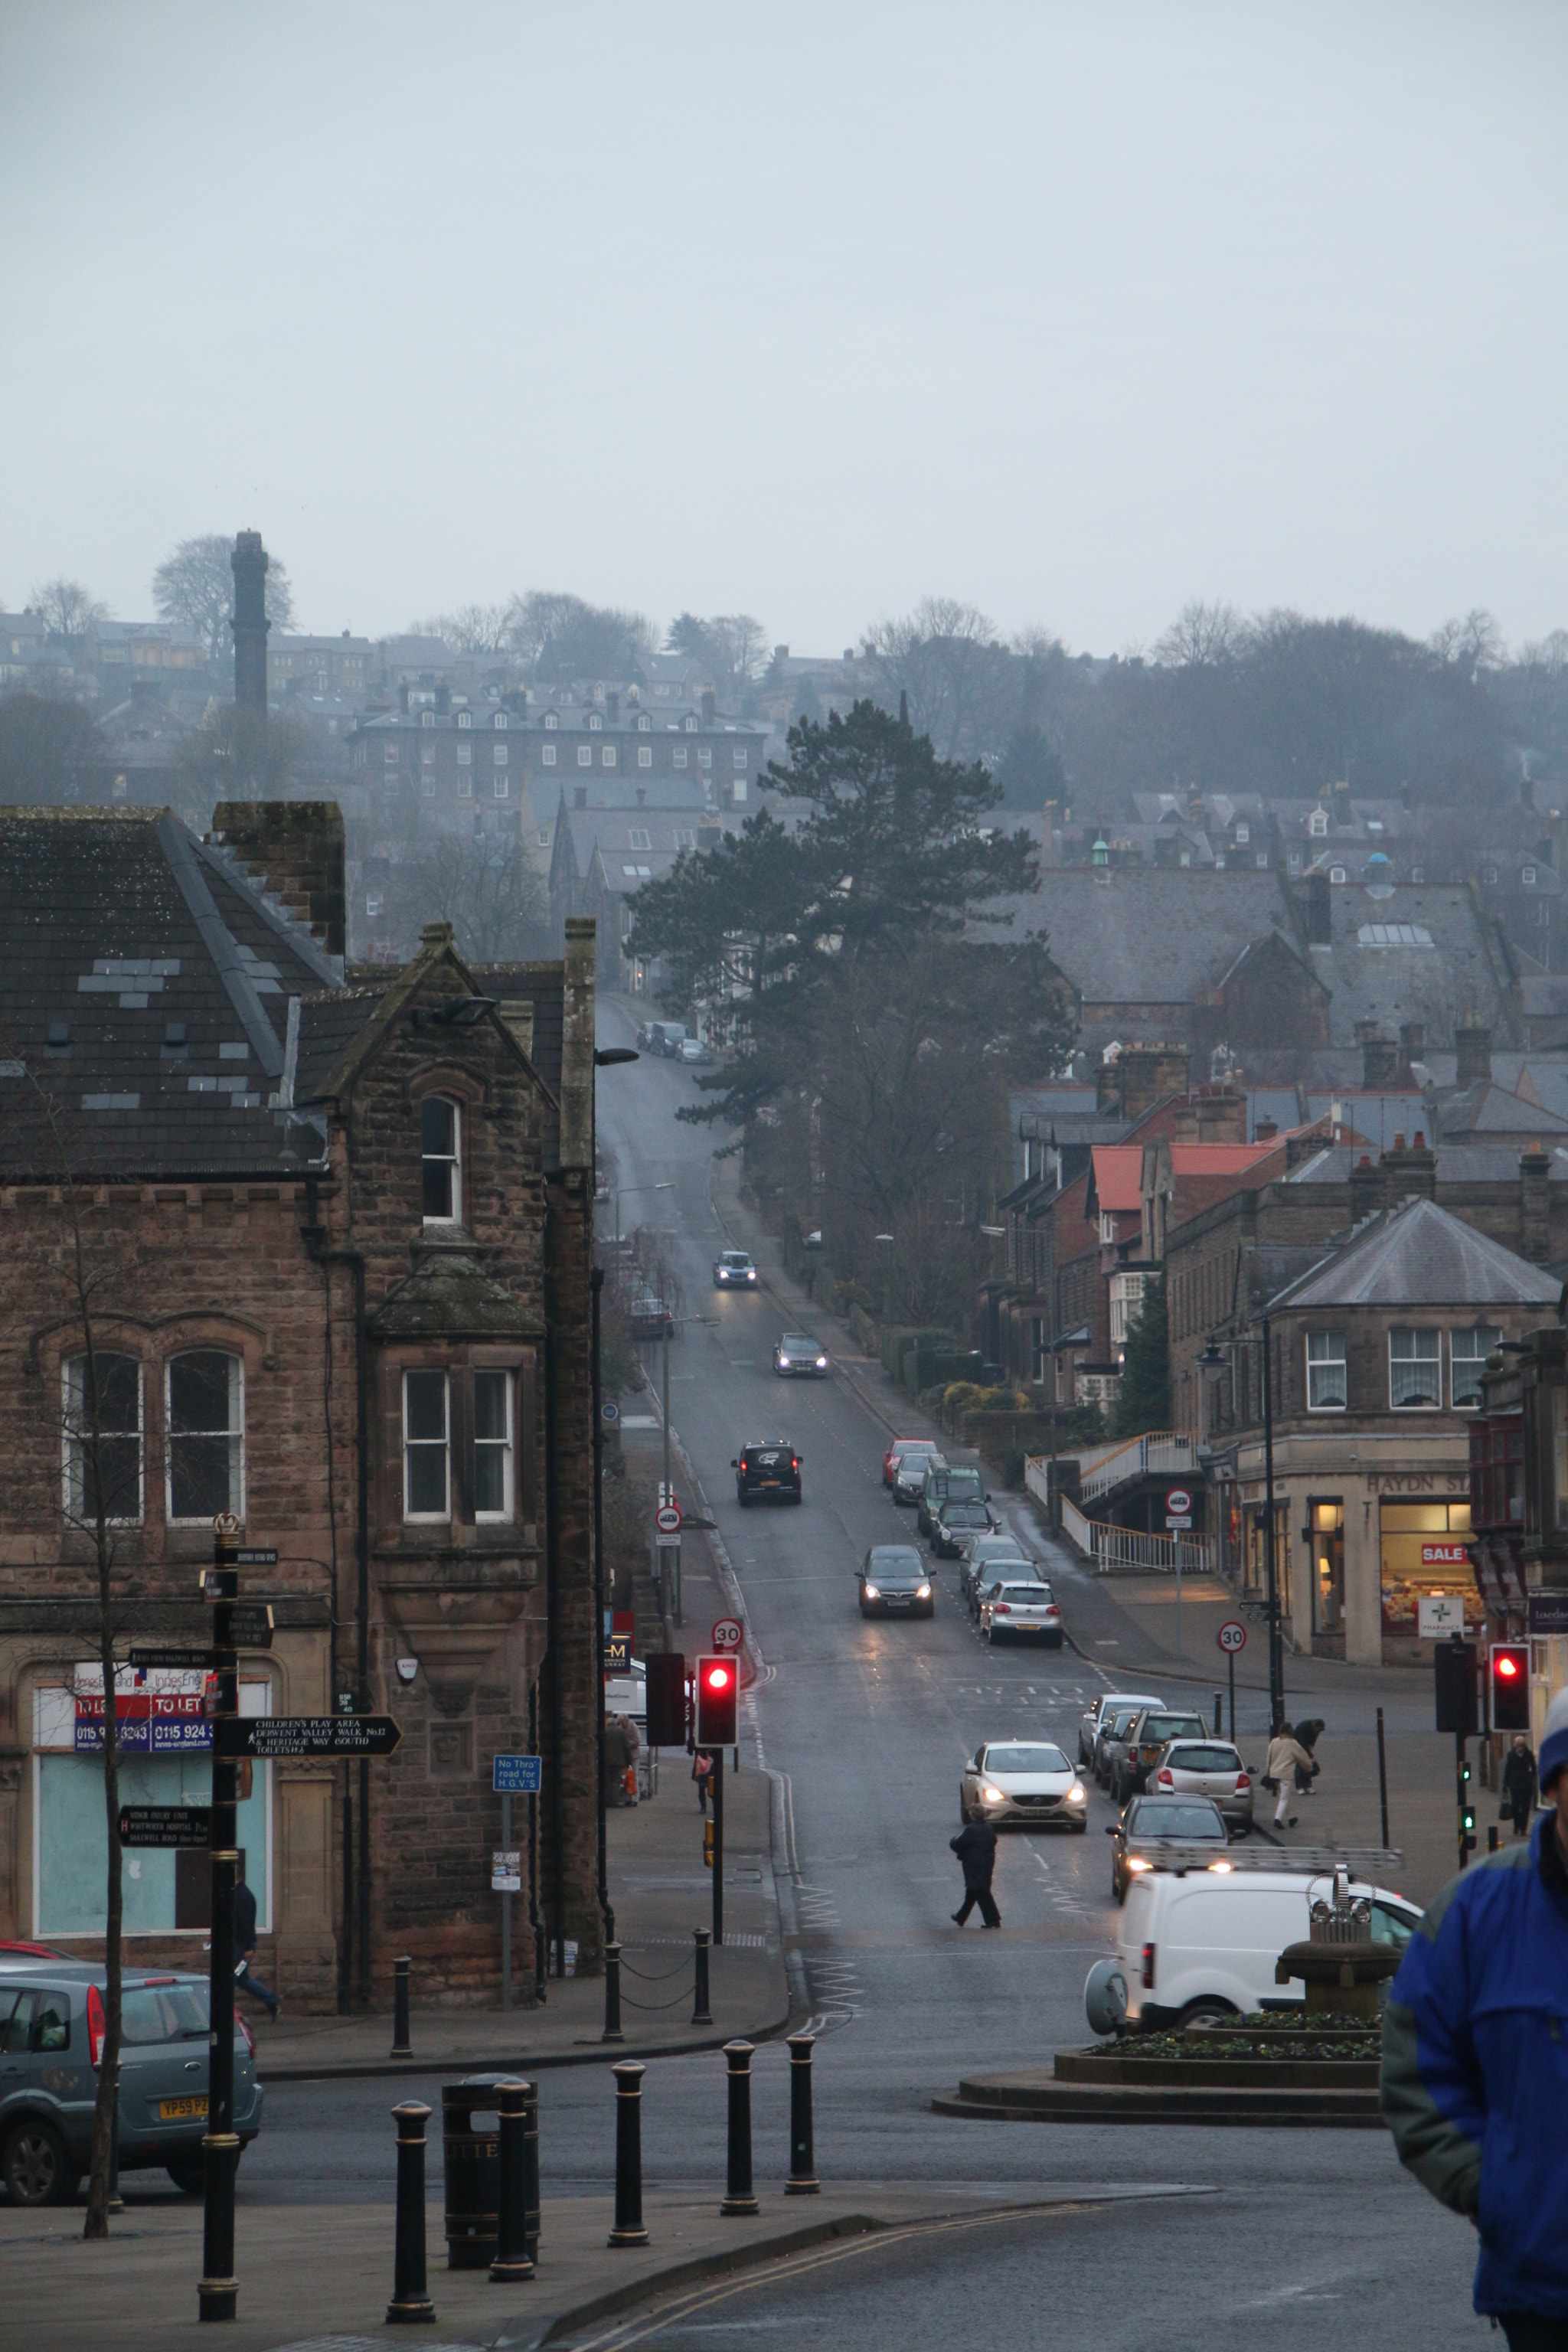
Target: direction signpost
(510, 1776)
(1232, 1637)
(163, 1827)
(305, 1735)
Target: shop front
(1424, 1551)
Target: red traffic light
(717, 1685)
(1510, 1681)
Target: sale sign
(1445, 1555)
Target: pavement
(661, 1892)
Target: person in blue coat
(1474, 2062)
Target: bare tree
(731, 644)
(472, 628)
(232, 755)
(1201, 638)
(941, 658)
(562, 638)
(195, 586)
(47, 748)
(68, 608)
(1473, 644)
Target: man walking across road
(1474, 2062)
(976, 1846)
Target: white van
(1202, 1943)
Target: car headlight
(753, 1275)
(1137, 1863)
(993, 1796)
(873, 1592)
(1078, 1795)
(822, 1363)
(1222, 1865)
(924, 1592)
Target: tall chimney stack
(248, 563)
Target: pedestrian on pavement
(244, 1945)
(1285, 1754)
(976, 1846)
(1519, 1785)
(702, 1773)
(621, 1745)
(1474, 2062)
(1306, 1737)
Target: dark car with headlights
(895, 1582)
(1149, 1823)
(910, 1470)
(955, 1522)
(797, 1352)
(767, 1470)
(734, 1270)
(52, 2036)
(943, 1484)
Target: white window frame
(547, 755)
(1470, 1331)
(1420, 1355)
(497, 755)
(455, 1161)
(1037, 1355)
(234, 1434)
(679, 755)
(506, 1446)
(596, 724)
(740, 755)
(71, 1435)
(427, 1444)
(465, 755)
(584, 755)
(1324, 1364)
(645, 755)
(638, 838)
(551, 722)
(502, 784)
(465, 717)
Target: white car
(733, 1270)
(1023, 1780)
(1204, 1945)
(1016, 1611)
(1093, 1723)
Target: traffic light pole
(1467, 1811)
(718, 1755)
(217, 2297)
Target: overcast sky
(1074, 312)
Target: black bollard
(612, 1994)
(702, 2014)
(628, 2230)
(1492, 1837)
(803, 2180)
(531, 2169)
(410, 2297)
(739, 2198)
(512, 2261)
(401, 2045)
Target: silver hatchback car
(51, 2031)
(1206, 1767)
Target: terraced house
(334, 1238)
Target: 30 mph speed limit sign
(727, 1633)
(1232, 1636)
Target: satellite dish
(1105, 1997)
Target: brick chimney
(1411, 1048)
(1214, 1114)
(1317, 909)
(1534, 1204)
(1142, 1076)
(1366, 1189)
(1379, 1055)
(1265, 1131)
(577, 1045)
(248, 563)
(1410, 1174)
(295, 850)
(709, 707)
(1473, 1051)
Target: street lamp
(632, 1192)
(1276, 1641)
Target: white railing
(1160, 1454)
(1076, 1529)
(1109, 1547)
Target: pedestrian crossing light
(1509, 1682)
(718, 1682)
(708, 1845)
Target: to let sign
(305, 1735)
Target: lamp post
(1210, 1367)
(632, 1190)
(1276, 1643)
(605, 1057)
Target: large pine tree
(1143, 1400)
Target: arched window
(441, 1159)
(205, 1394)
(103, 1458)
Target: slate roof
(1409, 954)
(1146, 935)
(1486, 1109)
(163, 979)
(1458, 1163)
(1418, 1255)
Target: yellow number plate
(169, 2110)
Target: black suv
(769, 1466)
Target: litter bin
(471, 2160)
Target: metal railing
(1159, 1452)
(1108, 1547)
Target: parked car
(955, 1520)
(1107, 1704)
(901, 1447)
(692, 1049)
(943, 1483)
(1021, 1781)
(986, 1586)
(1019, 1612)
(1204, 1945)
(734, 1270)
(987, 1549)
(1207, 1768)
(1148, 1822)
(797, 1352)
(1140, 1750)
(51, 2031)
(667, 1038)
(909, 1478)
(767, 1469)
(1108, 1742)
(895, 1582)
(647, 1317)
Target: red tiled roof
(1119, 1176)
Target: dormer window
(500, 718)
(596, 724)
(465, 717)
(690, 724)
(1318, 825)
(643, 724)
(440, 1158)
(1243, 834)
(550, 720)
(427, 718)
(1527, 878)
(1491, 873)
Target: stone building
(336, 1238)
